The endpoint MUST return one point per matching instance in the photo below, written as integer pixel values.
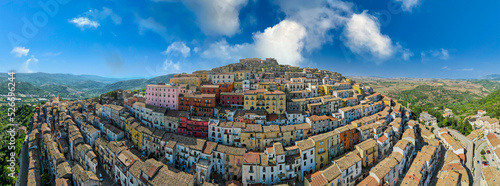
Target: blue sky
(387, 38)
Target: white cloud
(363, 35)
(83, 22)
(91, 18)
(219, 17)
(318, 17)
(170, 66)
(20, 51)
(407, 54)
(25, 67)
(408, 5)
(103, 14)
(178, 48)
(466, 69)
(150, 24)
(441, 54)
(306, 28)
(283, 41)
(222, 50)
(445, 68)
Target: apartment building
(273, 102)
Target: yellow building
(238, 85)
(202, 74)
(251, 137)
(357, 88)
(137, 136)
(368, 152)
(271, 134)
(274, 102)
(321, 150)
(191, 81)
(326, 89)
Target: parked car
(100, 177)
(488, 151)
(485, 164)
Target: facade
(222, 78)
(162, 95)
(198, 104)
(273, 102)
(228, 99)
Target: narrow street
(478, 167)
(468, 144)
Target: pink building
(162, 95)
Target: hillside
(75, 86)
(22, 88)
(433, 96)
(125, 85)
(490, 103)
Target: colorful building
(273, 102)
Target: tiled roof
(367, 144)
(305, 144)
(348, 160)
(252, 158)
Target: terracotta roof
(271, 128)
(305, 144)
(382, 139)
(278, 148)
(448, 178)
(367, 144)
(348, 160)
(317, 179)
(384, 167)
(491, 175)
(230, 150)
(252, 128)
(368, 181)
(495, 142)
(251, 157)
(331, 172)
(209, 147)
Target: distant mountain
(493, 77)
(160, 79)
(41, 78)
(22, 88)
(126, 85)
(77, 86)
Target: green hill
(490, 103)
(22, 88)
(126, 85)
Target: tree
(483, 152)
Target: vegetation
(23, 115)
(483, 152)
(433, 96)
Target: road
(480, 145)
(468, 144)
(107, 181)
(22, 179)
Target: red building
(226, 87)
(193, 127)
(229, 99)
(198, 104)
(217, 89)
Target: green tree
(483, 152)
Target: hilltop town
(255, 122)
